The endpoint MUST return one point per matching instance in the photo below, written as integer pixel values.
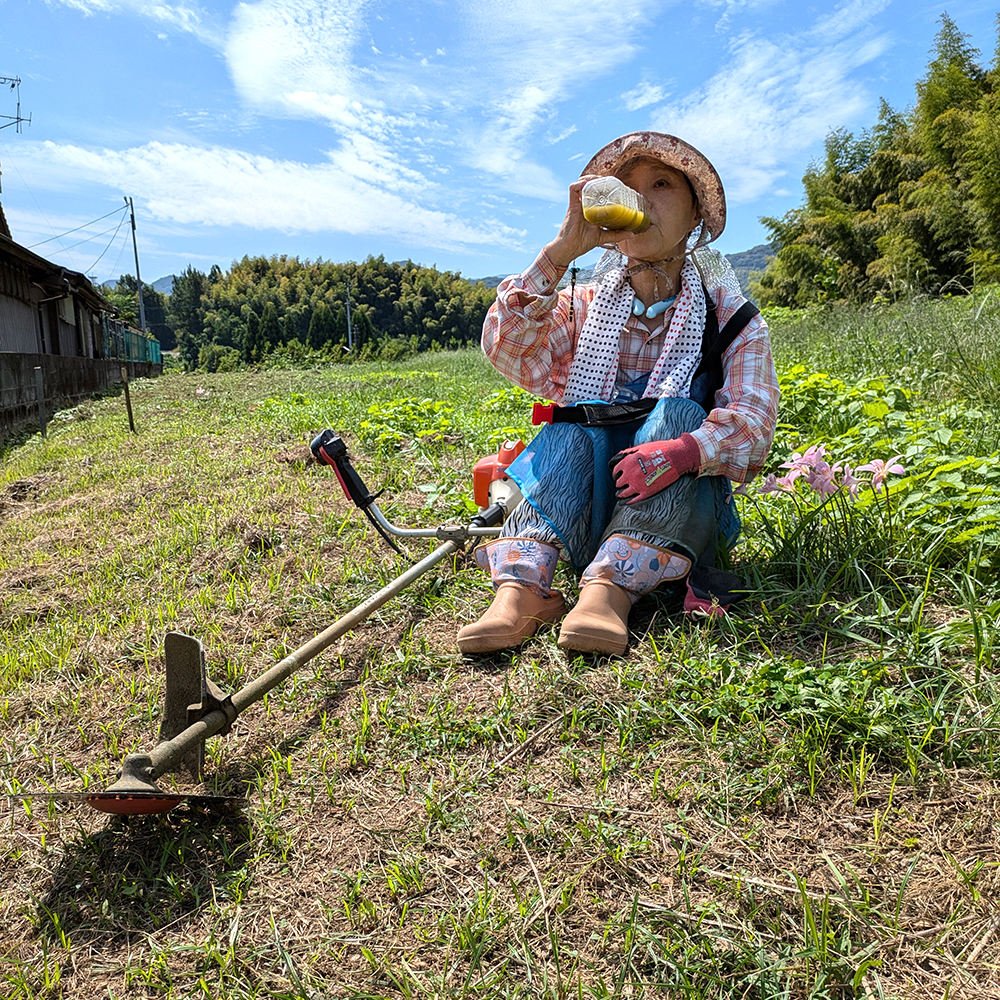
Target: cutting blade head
(137, 803)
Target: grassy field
(797, 801)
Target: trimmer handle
(329, 449)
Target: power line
(121, 250)
(89, 238)
(41, 211)
(78, 228)
(108, 247)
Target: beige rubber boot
(515, 615)
(598, 622)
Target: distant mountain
(750, 260)
(583, 276)
(742, 264)
(491, 282)
(165, 285)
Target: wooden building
(47, 309)
(55, 321)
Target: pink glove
(646, 469)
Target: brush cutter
(195, 708)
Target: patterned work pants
(570, 509)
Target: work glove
(645, 469)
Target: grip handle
(329, 449)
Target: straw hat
(674, 153)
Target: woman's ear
(696, 216)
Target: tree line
(268, 305)
(911, 205)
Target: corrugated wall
(18, 326)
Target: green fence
(128, 344)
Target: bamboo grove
(284, 306)
(911, 205)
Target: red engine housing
(488, 470)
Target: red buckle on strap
(542, 413)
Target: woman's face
(672, 210)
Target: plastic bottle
(612, 204)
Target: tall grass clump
(943, 349)
(875, 486)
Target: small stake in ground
(40, 396)
(128, 400)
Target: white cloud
(775, 99)
(216, 186)
(300, 58)
(848, 17)
(277, 48)
(311, 58)
(644, 95)
(180, 17)
(736, 9)
(564, 134)
(557, 46)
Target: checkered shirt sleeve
(527, 334)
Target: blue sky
(443, 131)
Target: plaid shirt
(528, 337)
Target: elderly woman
(635, 493)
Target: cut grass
(797, 801)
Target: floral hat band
(674, 153)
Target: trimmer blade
(134, 804)
(138, 803)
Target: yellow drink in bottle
(612, 204)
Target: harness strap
(593, 414)
(706, 381)
(716, 342)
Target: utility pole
(138, 280)
(350, 338)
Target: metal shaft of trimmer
(143, 769)
(139, 771)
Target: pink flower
(850, 481)
(772, 484)
(880, 470)
(814, 455)
(822, 479)
(807, 460)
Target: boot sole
(488, 644)
(581, 642)
(494, 643)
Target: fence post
(40, 396)
(128, 400)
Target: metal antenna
(14, 82)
